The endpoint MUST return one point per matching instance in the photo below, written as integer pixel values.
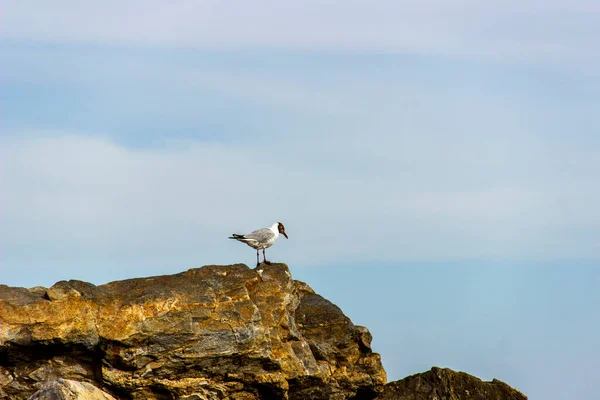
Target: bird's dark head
(281, 229)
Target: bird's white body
(261, 238)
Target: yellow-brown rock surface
(214, 332)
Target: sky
(436, 163)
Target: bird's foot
(267, 262)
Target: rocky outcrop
(214, 332)
(445, 384)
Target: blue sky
(435, 163)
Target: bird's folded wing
(260, 235)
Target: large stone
(64, 389)
(446, 384)
(208, 333)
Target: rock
(319, 320)
(446, 384)
(64, 389)
(208, 333)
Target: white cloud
(554, 31)
(87, 198)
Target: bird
(261, 239)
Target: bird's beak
(285, 234)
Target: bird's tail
(236, 236)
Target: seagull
(261, 239)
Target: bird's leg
(257, 262)
(265, 258)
